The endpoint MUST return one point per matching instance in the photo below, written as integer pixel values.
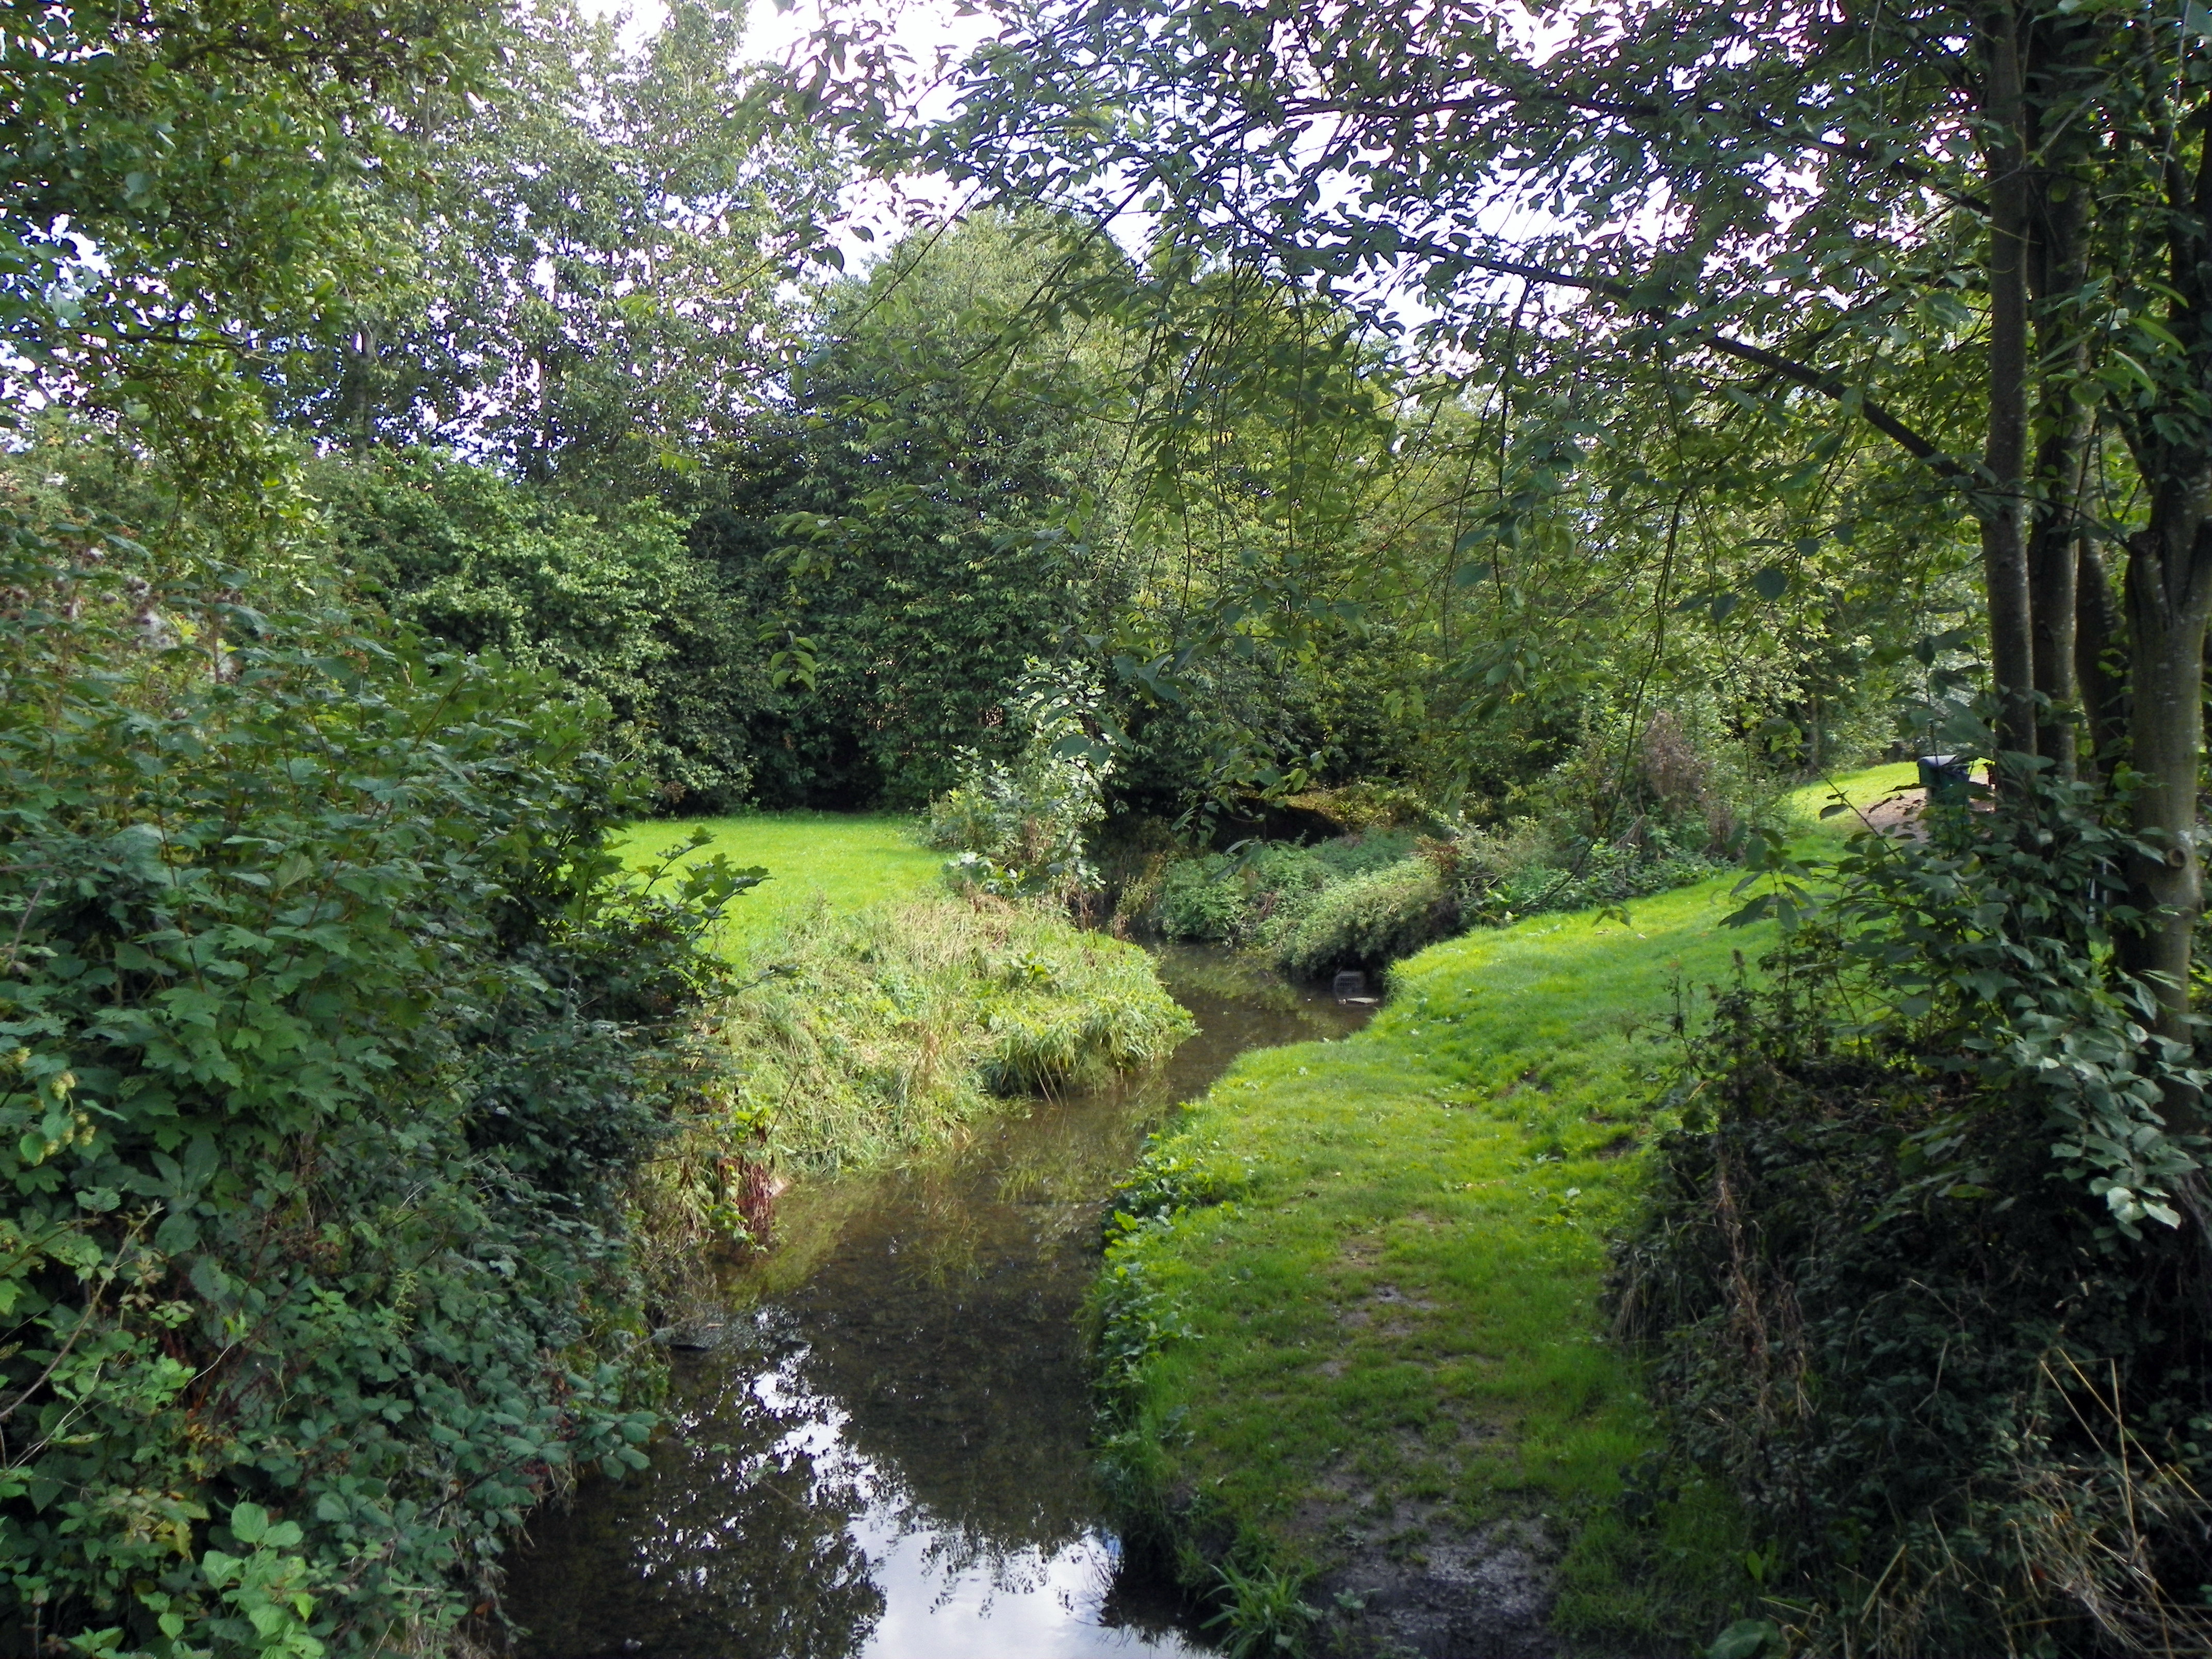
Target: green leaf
(249, 1522)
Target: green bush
(329, 1037)
(1369, 920)
(1498, 881)
(1679, 784)
(1261, 892)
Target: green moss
(1391, 1325)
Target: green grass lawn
(1393, 1334)
(842, 860)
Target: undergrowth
(884, 1029)
(1921, 1277)
(331, 1037)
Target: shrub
(1230, 897)
(1677, 785)
(1369, 920)
(1017, 828)
(1499, 878)
(333, 1037)
(1261, 894)
(1913, 1274)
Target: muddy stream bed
(881, 1447)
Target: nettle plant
(1017, 828)
(331, 1036)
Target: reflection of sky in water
(890, 1459)
(947, 1593)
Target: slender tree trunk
(2099, 655)
(2169, 582)
(2002, 492)
(2058, 64)
(2053, 563)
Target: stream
(883, 1449)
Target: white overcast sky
(926, 28)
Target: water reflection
(888, 1456)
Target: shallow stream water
(883, 1451)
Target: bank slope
(1382, 1360)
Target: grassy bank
(898, 1013)
(1353, 1325)
(816, 861)
(900, 1022)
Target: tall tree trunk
(2058, 64)
(2001, 491)
(2098, 656)
(2169, 593)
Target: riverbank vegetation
(1353, 1325)
(1505, 465)
(887, 1029)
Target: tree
(600, 258)
(613, 601)
(187, 185)
(935, 507)
(1801, 210)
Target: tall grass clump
(883, 1031)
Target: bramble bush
(329, 1037)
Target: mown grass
(1393, 1331)
(831, 861)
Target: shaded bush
(1500, 878)
(330, 1038)
(1261, 894)
(1914, 1277)
(1679, 784)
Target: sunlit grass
(839, 861)
(1395, 1329)
(1860, 790)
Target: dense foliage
(611, 600)
(1914, 1257)
(929, 511)
(335, 1035)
